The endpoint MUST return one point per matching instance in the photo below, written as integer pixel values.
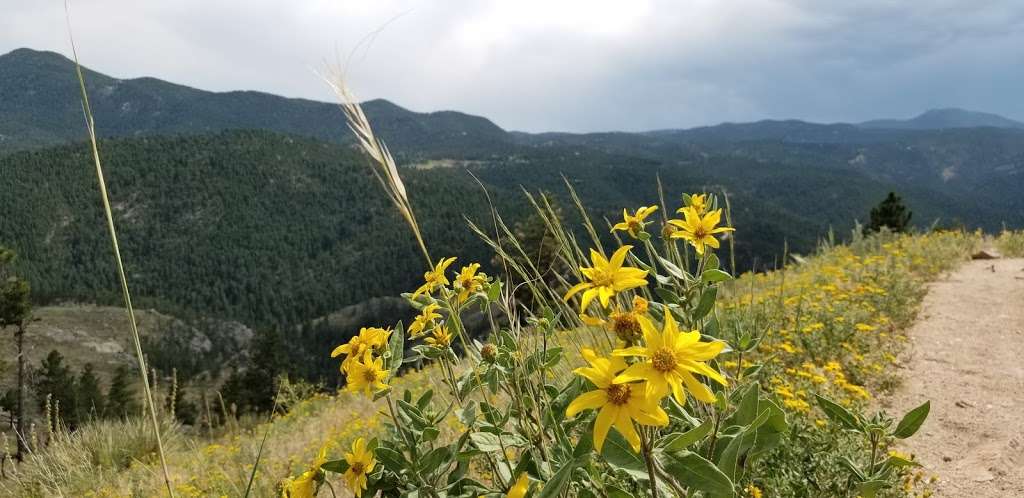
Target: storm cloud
(570, 65)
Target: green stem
(646, 448)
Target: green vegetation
(890, 214)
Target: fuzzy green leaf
(912, 421)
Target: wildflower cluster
(633, 381)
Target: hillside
(266, 228)
(39, 106)
(100, 335)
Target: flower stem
(646, 448)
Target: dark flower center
(618, 394)
(664, 360)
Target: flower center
(626, 327)
(618, 394)
(603, 279)
(700, 233)
(357, 468)
(369, 375)
(664, 360)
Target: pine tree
(890, 213)
(16, 312)
(120, 398)
(90, 397)
(55, 378)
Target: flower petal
(586, 401)
(605, 419)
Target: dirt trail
(967, 357)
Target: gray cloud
(576, 65)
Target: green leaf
(912, 421)
(752, 370)
(336, 466)
(494, 291)
(424, 400)
(895, 461)
(696, 472)
(620, 455)
(430, 434)
(671, 268)
(846, 462)
(746, 412)
(380, 394)
(485, 441)
(838, 414)
(557, 483)
(436, 458)
(869, 489)
(712, 262)
(712, 276)
(392, 459)
(616, 492)
(666, 295)
(680, 441)
(707, 302)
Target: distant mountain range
(254, 207)
(938, 119)
(39, 106)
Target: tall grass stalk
(91, 126)
(384, 167)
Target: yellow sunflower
(368, 339)
(367, 374)
(671, 358)
(434, 278)
(699, 203)
(360, 464)
(306, 484)
(424, 321)
(623, 323)
(468, 282)
(620, 403)
(634, 223)
(607, 277)
(439, 338)
(699, 229)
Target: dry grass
(1010, 243)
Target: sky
(566, 65)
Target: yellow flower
(434, 278)
(672, 358)
(699, 203)
(360, 464)
(623, 323)
(369, 338)
(469, 282)
(306, 484)
(440, 337)
(699, 230)
(366, 374)
(520, 488)
(753, 491)
(620, 403)
(634, 223)
(607, 277)
(424, 321)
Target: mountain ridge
(39, 106)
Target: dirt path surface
(967, 357)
